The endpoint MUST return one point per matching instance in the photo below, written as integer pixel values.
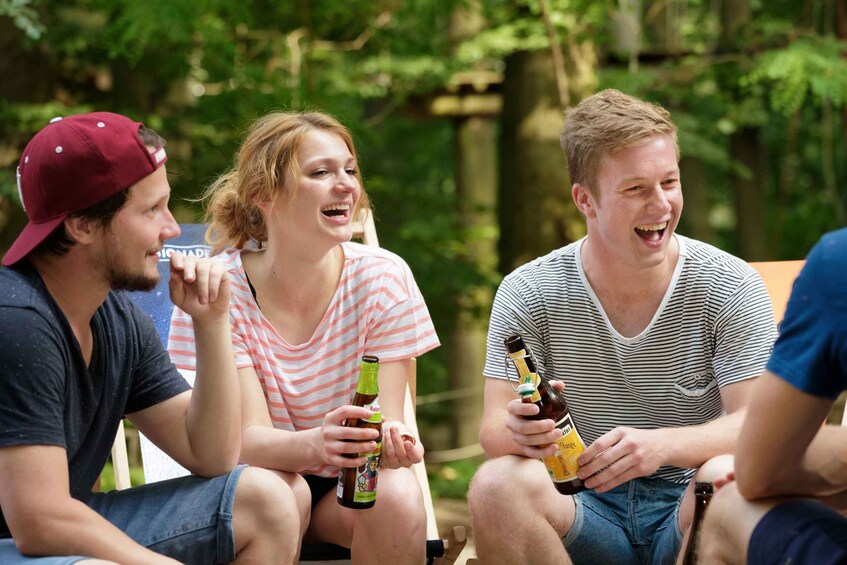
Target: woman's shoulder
(380, 267)
(373, 256)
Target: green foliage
(200, 71)
(8, 188)
(810, 65)
(107, 477)
(451, 480)
(24, 16)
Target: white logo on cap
(56, 119)
(101, 125)
(59, 149)
(20, 190)
(159, 155)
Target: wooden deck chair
(778, 277)
(158, 466)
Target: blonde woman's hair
(605, 123)
(267, 153)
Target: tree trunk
(476, 200)
(746, 147)
(735, 14)
(750, 196)
(695, 217)
(535, 209)
(476, 187)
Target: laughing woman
(307, 304)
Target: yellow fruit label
(562, 466)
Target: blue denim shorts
(188, 519)
(799, 532)
(635, 522)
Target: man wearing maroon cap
(77, 355)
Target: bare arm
(283, 450)
(265, 446)
(45, 520)
(627, 453)
(782, 448)
(210, 415)
(504, 429)
(400, 447)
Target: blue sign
(157, 302)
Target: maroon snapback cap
(74, 163)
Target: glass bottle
(562, 466)
(703, 491)
(357, 485)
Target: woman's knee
(265, 500)
(399, 493)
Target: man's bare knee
(715, 468)
(504, 474)
(728, 525)
(495, 484)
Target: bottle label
(562, 466)
(526, 376)
(377, 415)
(520, 363)
(366, 477)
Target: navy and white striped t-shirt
(714, 327)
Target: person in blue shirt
(789, 493)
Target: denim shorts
(635, 522)
(188, 519)
(800, 532)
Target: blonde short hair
(267, 153)
(605, 123)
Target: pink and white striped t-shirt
(377, 310)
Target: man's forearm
(214, 414)
(691, 446)
(782, 448)
(825, 462)
(820, 471)
(71, 528)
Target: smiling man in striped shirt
(656, 337)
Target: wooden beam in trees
(470, 105)
(468, 94)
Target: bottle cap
(526, 389)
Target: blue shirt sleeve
(811, 352)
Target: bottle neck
(368, 382)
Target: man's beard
(124, 280)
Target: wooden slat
(779, 278)
(120, 461)
(364, 228)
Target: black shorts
(799, 532)
(320, 486)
